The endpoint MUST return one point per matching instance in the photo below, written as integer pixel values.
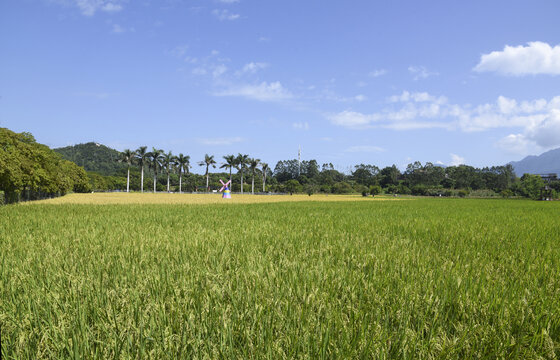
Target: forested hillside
(93, 157)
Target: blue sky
(383, 83)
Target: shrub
(342, 188)
(403, 189)
(375, 190)
(419, 190)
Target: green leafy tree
(253, 166)
(375, 190)
(142, 159)
(127, 156)
(155, 158)
(342, 187)
(241, 162)
(293, 186)
(365, 174)
(531, 186)
(182, 163)
(264, 169)
(167, 161)
(33, 170)
(208, 161)
(229, 163)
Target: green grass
(429, 278)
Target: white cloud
(535, 58)
(199, 71)
(219, 71)
(224, 14)
(515, 144)
(111, 7)
(90, 7)
(456, 160)
(547, 133)
(262, 92)
(365, 148)
(377, 73)
(538, 120)
(420, 72)
(416, 125)
(220, 141)
(326, 93)
(351, 119)
(117, 29)
(252, 68)
(178, 51)
(417, 97)
(301, 126)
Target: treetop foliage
(30, 169)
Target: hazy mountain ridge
(545, 163)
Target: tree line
(307, 176)
(158, 162)
(29, 170)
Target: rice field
(199, 278)
(201, 198)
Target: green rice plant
(428, 278)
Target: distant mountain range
(548, 162)
(93, 157)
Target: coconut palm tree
(167, 161)
(142, 159)
(156, 157)
(127, 156)
(253, 166)
(241, 164)
(264, 169)
(208, 161)
(183, 164)
(230, 163)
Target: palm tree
(156, 157)
(167, 161)
(127, 156)
(264, 168)
(253, 163)
(208, 161)
(230, 163)
(183, 163)
(241, 164)
(142, 158)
